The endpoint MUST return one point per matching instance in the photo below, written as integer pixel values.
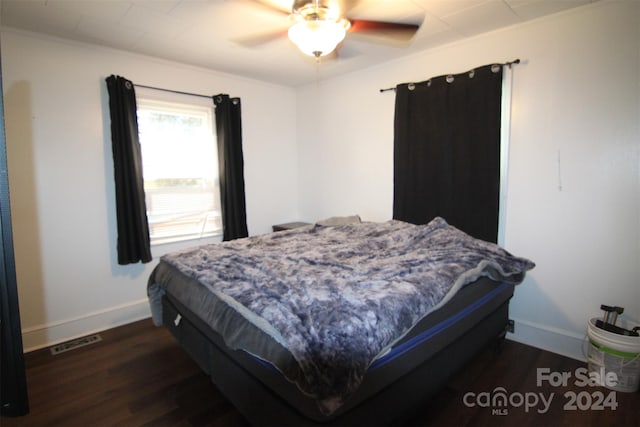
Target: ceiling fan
(319, 26)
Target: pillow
(339, 220)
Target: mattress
(430, 337)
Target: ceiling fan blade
(257, 39)
(393, 30)
(347, 5)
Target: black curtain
(13, 391)
(447, 151)
(133, 229)
(231, 167)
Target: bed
(347, 324)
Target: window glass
(180, 168)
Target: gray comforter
(339, 297)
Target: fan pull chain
(318, 71)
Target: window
(180, 168)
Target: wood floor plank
(138, 376)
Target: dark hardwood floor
(139, 376)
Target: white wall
(61, 176)
(573, 200)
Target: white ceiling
(209, 33)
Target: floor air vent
(77, 343)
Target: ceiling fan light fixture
(318, 37)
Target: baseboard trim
(41, 336)
(549, 338)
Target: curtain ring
(450, 78)
(472, 73)
(411, 86)
(429, 83)
(218, 99)
(495, 68)
(128, 85)
(235, 101)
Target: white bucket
(615, 353)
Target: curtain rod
(174, 91)
(509, 64)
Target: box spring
(395, 384)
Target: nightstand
(289, 226)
